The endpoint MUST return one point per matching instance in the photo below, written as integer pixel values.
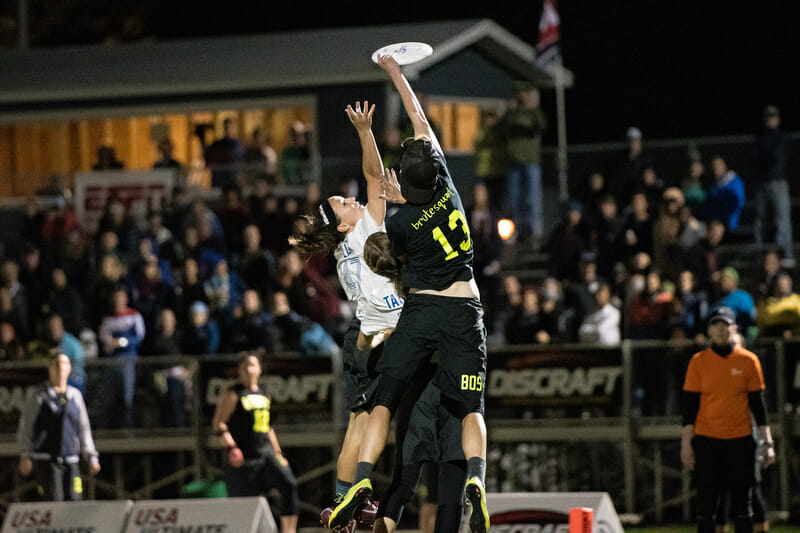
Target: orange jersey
(723, 384)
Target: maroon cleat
(325, 515)
(368, 514)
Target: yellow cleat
(351, 503)
(476, 498)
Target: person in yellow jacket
(778, 315)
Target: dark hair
(378, 256)
(318, 237)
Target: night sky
(675, 68)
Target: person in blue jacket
(725, 198)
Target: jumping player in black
(442, 312)
(254, 459)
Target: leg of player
(346, 465)
(473, 440)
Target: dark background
(674, 68)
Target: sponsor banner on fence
(301, 389)
(138, 190)
(214, 515)
(558, 378)
(62, 517)
(548, 512)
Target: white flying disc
(404, 53)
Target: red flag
(547, 49)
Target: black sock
(363, 471)
(476, 466)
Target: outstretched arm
(371, 164)
(422, 127)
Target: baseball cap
(634, 133)
(724, 314)
(419, 172)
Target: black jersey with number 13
(434, 237)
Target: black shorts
(257, 476)
(433, 433)
(359, 370)
(454, 327)
(724, 463)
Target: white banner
(139, 191)
(212, 515)
(63, 517)
(548, 512)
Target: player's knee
(390, 393)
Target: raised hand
(388, 63)
(361, 116)
(391, 188)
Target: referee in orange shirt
(723, 386)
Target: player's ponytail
(318, 236)
(379, 258)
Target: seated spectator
(297, 333)
(691, 309)
(309, 293)
(162, 241)
(225, 154)
(667, 230)
(702, 257)
(9, 277)
(567, 242)
(109, 280)
(261, 159)
(76, 260)
(770, 267)
(201, 335)
(602, 326)
(693, 187)
(596, 190)
(150, 294)
(116, 219)
(554, 311)
(34, 275)
(57, 339)
(778, 315)
(725, 197)
(527, 325)
(652, 186)
(256, 265)
(607, 236)
(65, 301)
(482, 220)
(510, 300)
(190, 289)
(260, 191)
(107, 159)
(121, 333)
(252, 326)
(233, 215)
(167, 341)
(223, 293)
(13, 315)
(637, 231)
(166, 160)
(579, 295)
(649, 310)
(11, 346)
(740, 301)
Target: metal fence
(559, 418)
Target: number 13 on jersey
(456, 218)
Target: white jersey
(378, 305)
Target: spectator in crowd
(121, 333)
(649, 310)
(260, 157)
(522, 126)
(482, 220)
(769, 156)
(13, 315)
(201, 334)
(109, 280)
(667, 230)
(260, 190)
(225, 154)
(596, 190)
(554, 311)
(34, 275)
(652, 186)
(107, 159)
(702, 258)
(626, 171)
(693, 187)
(68, 344)
(295, 158)
(527, 324)
(579, 294)
(116, 219)
(223, 293)
(637, 232)
(770, 267)
(297, 333)
(725, 197)
(255, 265)
(167, 341)
(608, 230)
(567, 242)
(166, 157)
(11, 346)
(150, 293)
(64, 300)
(510, 301)
(9, 273)
(778, 315)
(690, 311)
(490, 158)
(189, 290)
(54, 434)
(275, 226)
(602, 326)
(233, 216)
(76, 260)
(738, 300)
(252, 326)
(162, 240)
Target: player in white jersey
(341, 227)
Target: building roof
(241, 63)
